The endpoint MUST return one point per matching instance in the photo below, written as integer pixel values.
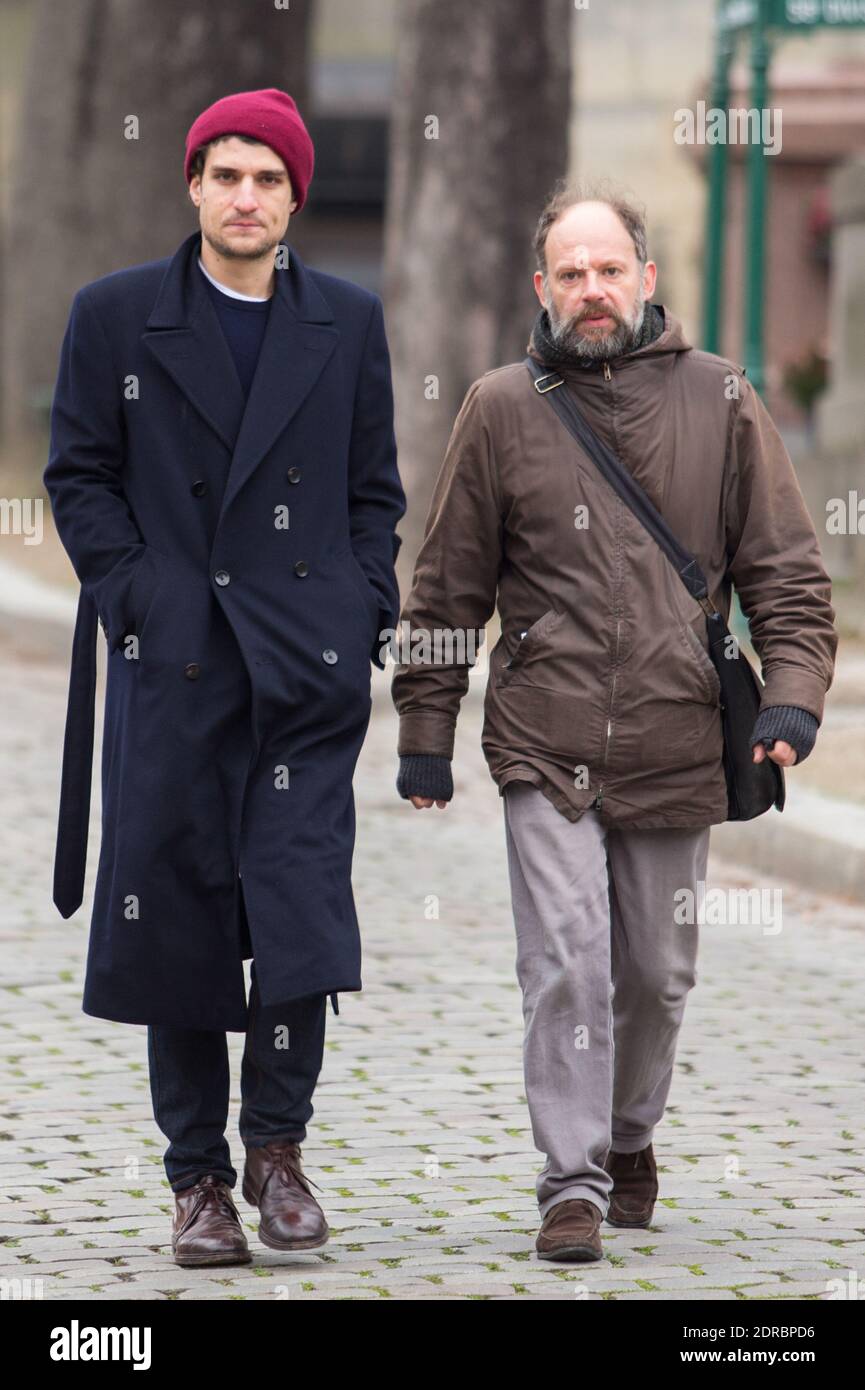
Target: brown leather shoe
(274, 1181)
(635, 1187)
(571, 1231)
(206, 1229)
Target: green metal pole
(756, 219)
(713, 270)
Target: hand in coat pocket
(370, 599)
(142, 591)
(116, 596)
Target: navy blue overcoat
(240, 559)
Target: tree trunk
(86, 199)
(495, 76)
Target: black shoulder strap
(683, 562)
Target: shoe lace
(287, 1159)
(211, 1189)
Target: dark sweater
(243, 323)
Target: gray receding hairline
(568, 192)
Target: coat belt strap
(73, 824)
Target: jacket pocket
(145, 592)
(363, 587)
(530, 648)
(710, 681)
(142, 590)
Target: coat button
(330, 655)
(198, 488)
(222, 577)
(293, 475)
(301, 568)
(192, 671)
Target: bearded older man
(602, 720)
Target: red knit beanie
(269, 116)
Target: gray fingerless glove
(425, 774)
(795, 726)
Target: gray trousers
(604, 971)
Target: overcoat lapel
(184, 333)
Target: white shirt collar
(252, 298)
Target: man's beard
(232, 252)
(569, 337)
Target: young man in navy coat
(223, 476)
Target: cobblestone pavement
(421, 1139)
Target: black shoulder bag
(752, 788)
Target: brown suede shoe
(635, 1187)
(206, 1229)
(274, 1181)
(571, 1231)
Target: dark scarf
(554, 356)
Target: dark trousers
(189, 1085)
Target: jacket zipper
(599, 798)
(598, 801)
